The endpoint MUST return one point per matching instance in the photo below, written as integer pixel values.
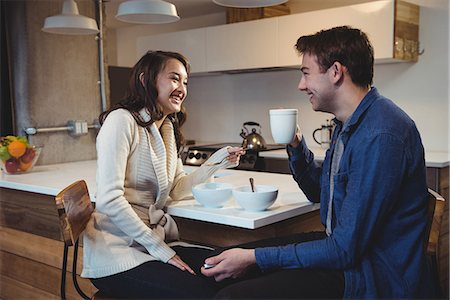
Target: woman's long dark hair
(139, 96)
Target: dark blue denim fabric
(379, 206)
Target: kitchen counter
(291, 202)
(433, 159)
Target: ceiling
(185, 9)
(195, 8)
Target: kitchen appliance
(198, 154)
(326, 131)
(252, 140)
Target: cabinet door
(376, 19)
(243, 45)
(190, 43)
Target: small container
(212, 194)
(263, 197)
(22, 164)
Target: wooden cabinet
(31, 249)
(190, 43)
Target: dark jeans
(158, 280)
(285, 283)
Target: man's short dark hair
(346, 45)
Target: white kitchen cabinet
(269, 43)
(190, 43)
(376, 19)
(245, 45)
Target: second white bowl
(263, 197)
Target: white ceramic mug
(283, 124)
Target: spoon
(252, 184)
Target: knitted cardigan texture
(138, 169)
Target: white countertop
(50, 179)
(433, 159)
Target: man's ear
(141, 79)
(337, 71)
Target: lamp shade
(249, 3)
(147, 12)
(70, 21)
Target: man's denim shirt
(379, 205)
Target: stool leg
(63, 272)
(74, 272)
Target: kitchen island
(32, 247)
(50, 179)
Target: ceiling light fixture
(147, 12)
(70, 21)
(248, 3)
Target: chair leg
(63, 272)
(74, 272)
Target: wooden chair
(74, 209)
(436, 205)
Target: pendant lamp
(70, 21)
(248, 3)
(147, 12)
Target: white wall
(219, 104)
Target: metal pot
(252, 140)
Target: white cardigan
(137, 170)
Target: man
(371, 187)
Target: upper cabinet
(391, 25)
(245, 45)
(190, 43)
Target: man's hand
(297, 138)
(230, 263)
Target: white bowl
(263, 197)
(212, 194)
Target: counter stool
(436, 205)
(74, 209)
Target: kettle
(326, 132)
(252, 140)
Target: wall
(55, 79)
(219, 104)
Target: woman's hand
(226, 157)
(235, 154)
(231, 263)
(180, 264)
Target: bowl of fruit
(17, 155)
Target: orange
(17, 149)
(25, 166)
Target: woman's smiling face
(171, 84)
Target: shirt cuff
(277, 257)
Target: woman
(131, 247)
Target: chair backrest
(436, 205)
(74, 210)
